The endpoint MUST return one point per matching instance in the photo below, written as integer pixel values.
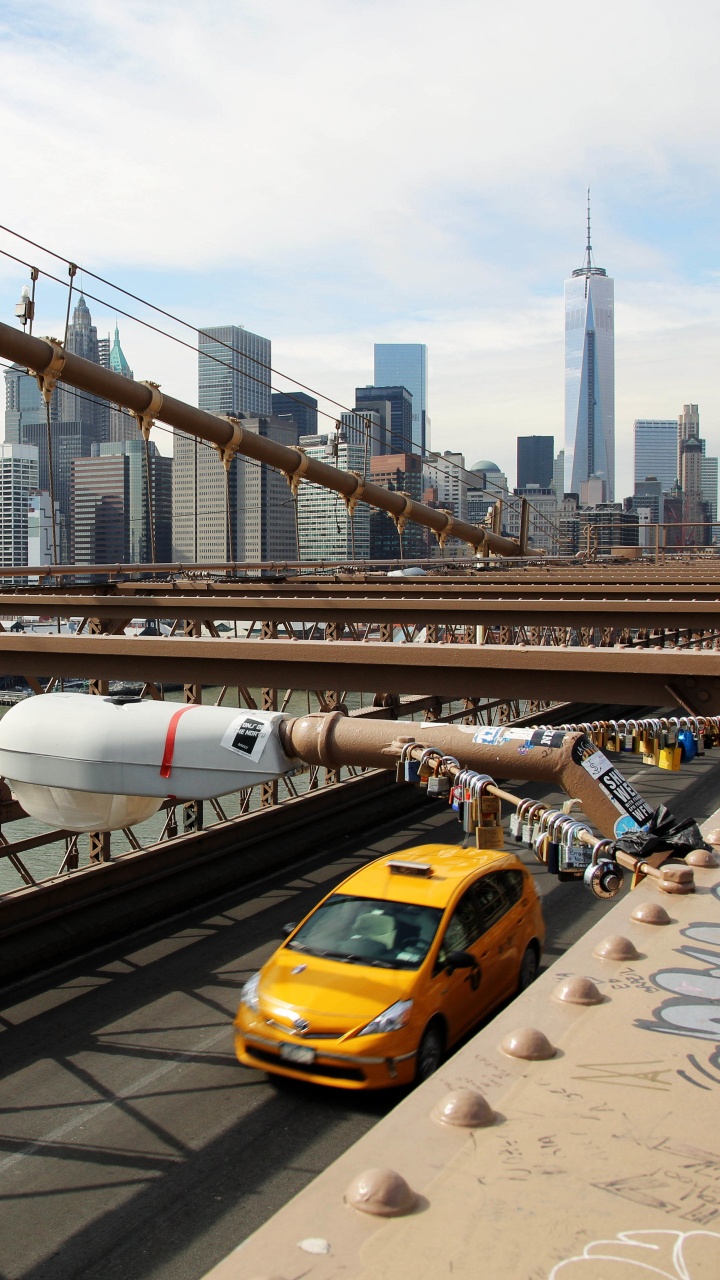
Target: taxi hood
(332, 995)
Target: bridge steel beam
(693, 615)
(653, 677)
(39, 354)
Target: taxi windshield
(389, 935)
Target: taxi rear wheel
(430, 1052)
(528, 967)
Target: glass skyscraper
(589, 376)
(234, 371)
(404, 364)
(656, 450)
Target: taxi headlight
(397, 1016)
(249, 993)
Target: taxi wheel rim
(429, 1055)
(528, 968)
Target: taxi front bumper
(342, 1067)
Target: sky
(334, 173)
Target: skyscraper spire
(588, 246)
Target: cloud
(339, 172)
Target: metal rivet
(650, 913)
(464, 1107)
(529, 1043)
(702, 858)
(578, 991)
(382, 1192)
(617, 948)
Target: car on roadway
(392, 968)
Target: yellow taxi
(392, 968)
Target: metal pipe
(37, 354)
(333, 740)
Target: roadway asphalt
(132, 1144)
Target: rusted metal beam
(626, 676)
(451, 609)
(39, 355)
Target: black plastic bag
(664, 831)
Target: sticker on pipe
(618, 790)
(246, 736)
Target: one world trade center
(589, 376)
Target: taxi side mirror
(461, 960)
(287, 929)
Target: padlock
(670, 758)
(489, 832)
(526, 835)
(651, 742)
(516, 820)
(698, 736)
(604, 878)
(574, 855)
(612, 737)
(686, 741)
(438, 786)
(555, 820)
(429, 765)
(672, 731)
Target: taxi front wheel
(430, 1052)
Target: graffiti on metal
(671, 1255)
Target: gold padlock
(489, 832)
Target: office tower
(327, 531)
(371, 421)
(402, 473)
(695, 509)
(262, 517)
(542, 518)
(688, 429)
(18, 476)
(656, 450)
(300, 407)
(101, 497)
(111, 507)
(535, 461)
(709, 484)
(366, 429)
(401, 410)
(558, 480)
(265, 520)
(447, 477)
(80, 406)
(123, 424)
(40, 537)
(234, 371)
(589, 375)
(489, 476)
(404, 364)
(649, 507)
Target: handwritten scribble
(671, 1255)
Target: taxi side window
(490, 899)
(463, 929)
(497, 893)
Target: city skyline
(461, 238)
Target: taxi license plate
(297, 1053)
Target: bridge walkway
(131, 1143)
